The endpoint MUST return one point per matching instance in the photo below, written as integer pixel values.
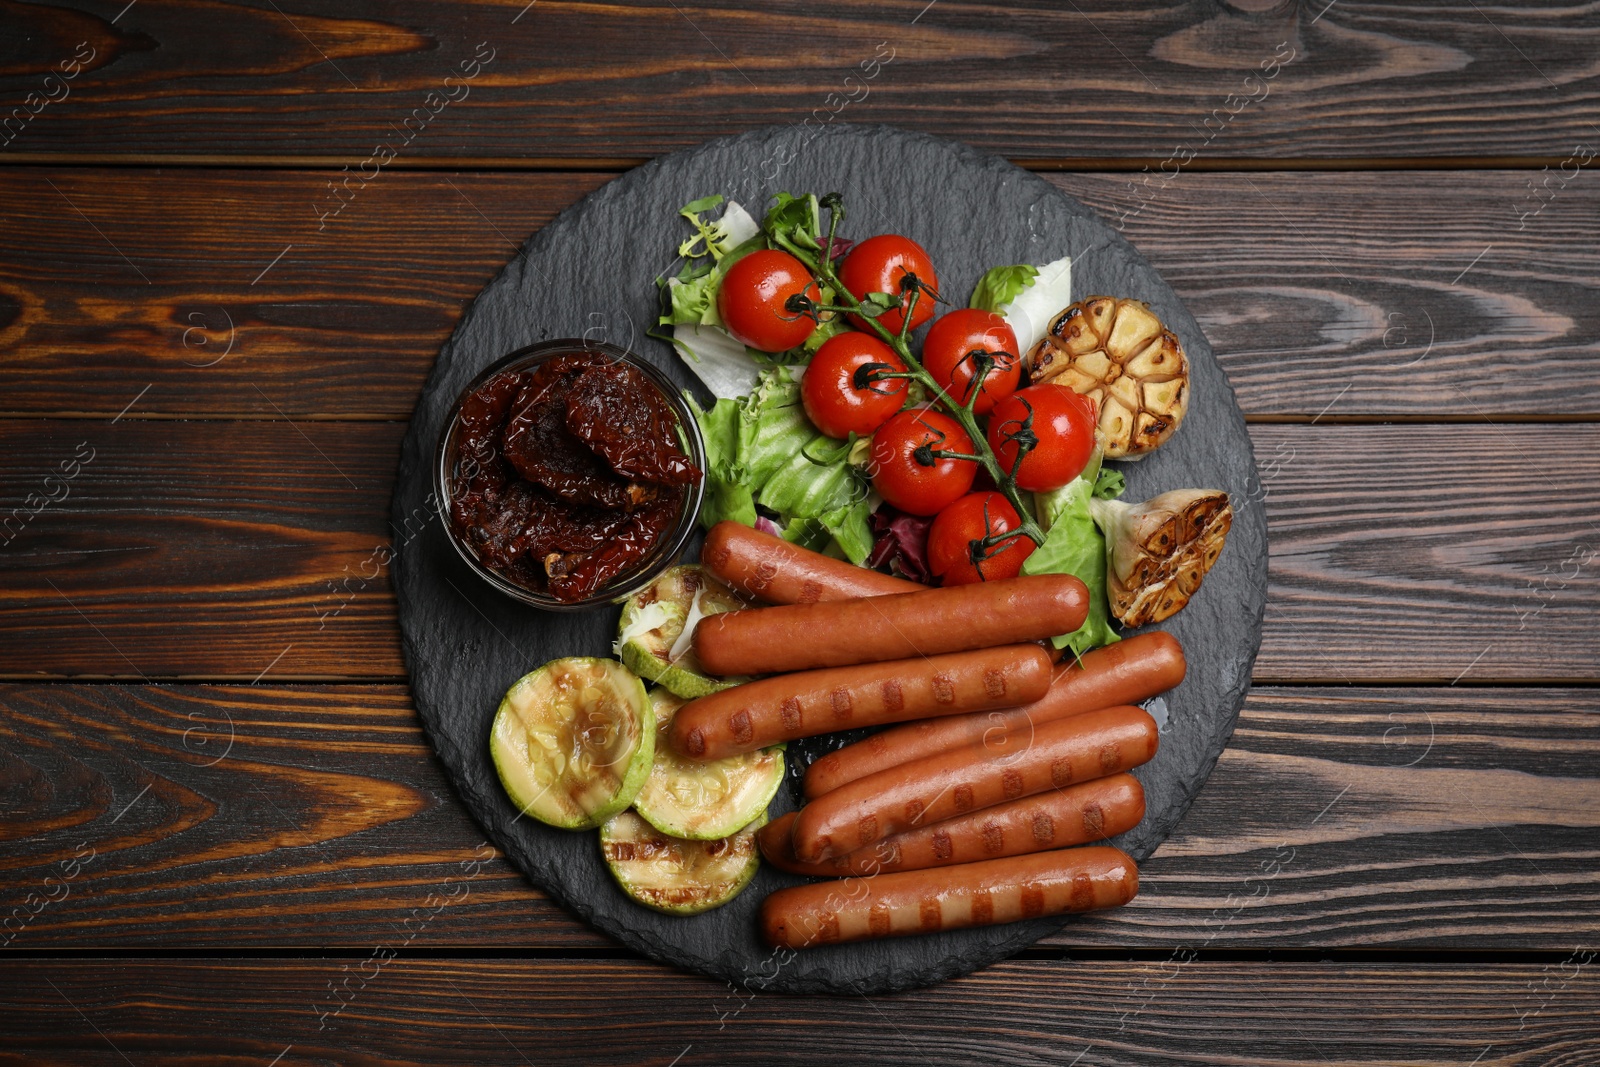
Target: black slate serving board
(591, 273)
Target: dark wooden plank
(317, 817)
(186, 549)
(219, 549)
(219, 292)
(1093, 1014)
(1324, 294)
(1415, 818)
(242, 817)
(569, 80)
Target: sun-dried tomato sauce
(566, 475)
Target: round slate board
(591, 273)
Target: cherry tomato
(877, 264)
(907, 474)
(1063, 422)
(839, 392)
(955, 539)
(948, 356)
(752, 295)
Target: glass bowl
(667, 549)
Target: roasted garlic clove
(1121, 356)
(1157, 552)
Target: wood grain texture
(575, 80)
(1094, 1014)
(1415, 818)
(218, 550)
(317, 817)
(241, 817)
(1329, 295)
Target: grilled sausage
(949, 898)
(764, 712)
(1124, 673)
(1076, 815)
(1057, 754)
(778, 572)
(799, 637)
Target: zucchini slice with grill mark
(702, 800)
(673, 875)
(650, 636)
(574, 740)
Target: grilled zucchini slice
(673, 875)
(702, 800)
(650, 637)
(573, 741)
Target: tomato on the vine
(842, 389)
(956, 552)
(907, 470)
(752, 296)
(958, 341)
(1062, 425)
(877, 264)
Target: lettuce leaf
(794, 224)
(1028, 297)
(728, 368)
(716, 239)
(715, 246)
(1073, 544)
(762, 450)
(1030, 311)
(1001, 285)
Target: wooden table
(226, 838)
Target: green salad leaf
(714, 247)
(762, 449)
(1073, 544)
(1001, 285)
(794, 224)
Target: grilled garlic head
(1158, 551)
(1118, 354)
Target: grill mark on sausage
(762, 576)
(1061, 772)
(1094, 820)
(695, 743)
(994, 682)
(827, 928)
(1011, 784)
(963, 798)
(929, 914)
(1082, 897)
(893, 698)
(739, 725)
(810, 592)
(941, 845)
(1044, 828)
(789, 712)
(843, 703)
(982, 907)
(913, 811)
(867, 829)
(1111, 757)
(878, 919)
(994, 837)
(1032, 901)
(944, 689)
